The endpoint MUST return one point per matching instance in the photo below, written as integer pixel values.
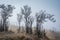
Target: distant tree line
(41, 16)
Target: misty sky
(51, 6)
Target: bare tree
(40, 19)
(30, 22)
(5, 14)
(19, 18)
(1, 28)
(26, 11)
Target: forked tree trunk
(19, 28)
(31, 28)
(26, 26)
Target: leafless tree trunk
(26, 12)
(19, 18)
(5, 14)
(40, 19)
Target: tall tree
(26, 11)
(40, 19)
(30, 22)
(1, 28)
(5, 14)
(19, 18)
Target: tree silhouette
(19, 18)
(5, 14)
(30, 22)
(1, 28)
(40, 19)
(26, 11)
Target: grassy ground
(16, 36)
(24, 36)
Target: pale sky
(51, 6)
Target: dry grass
(23, 36)
(19, 36)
